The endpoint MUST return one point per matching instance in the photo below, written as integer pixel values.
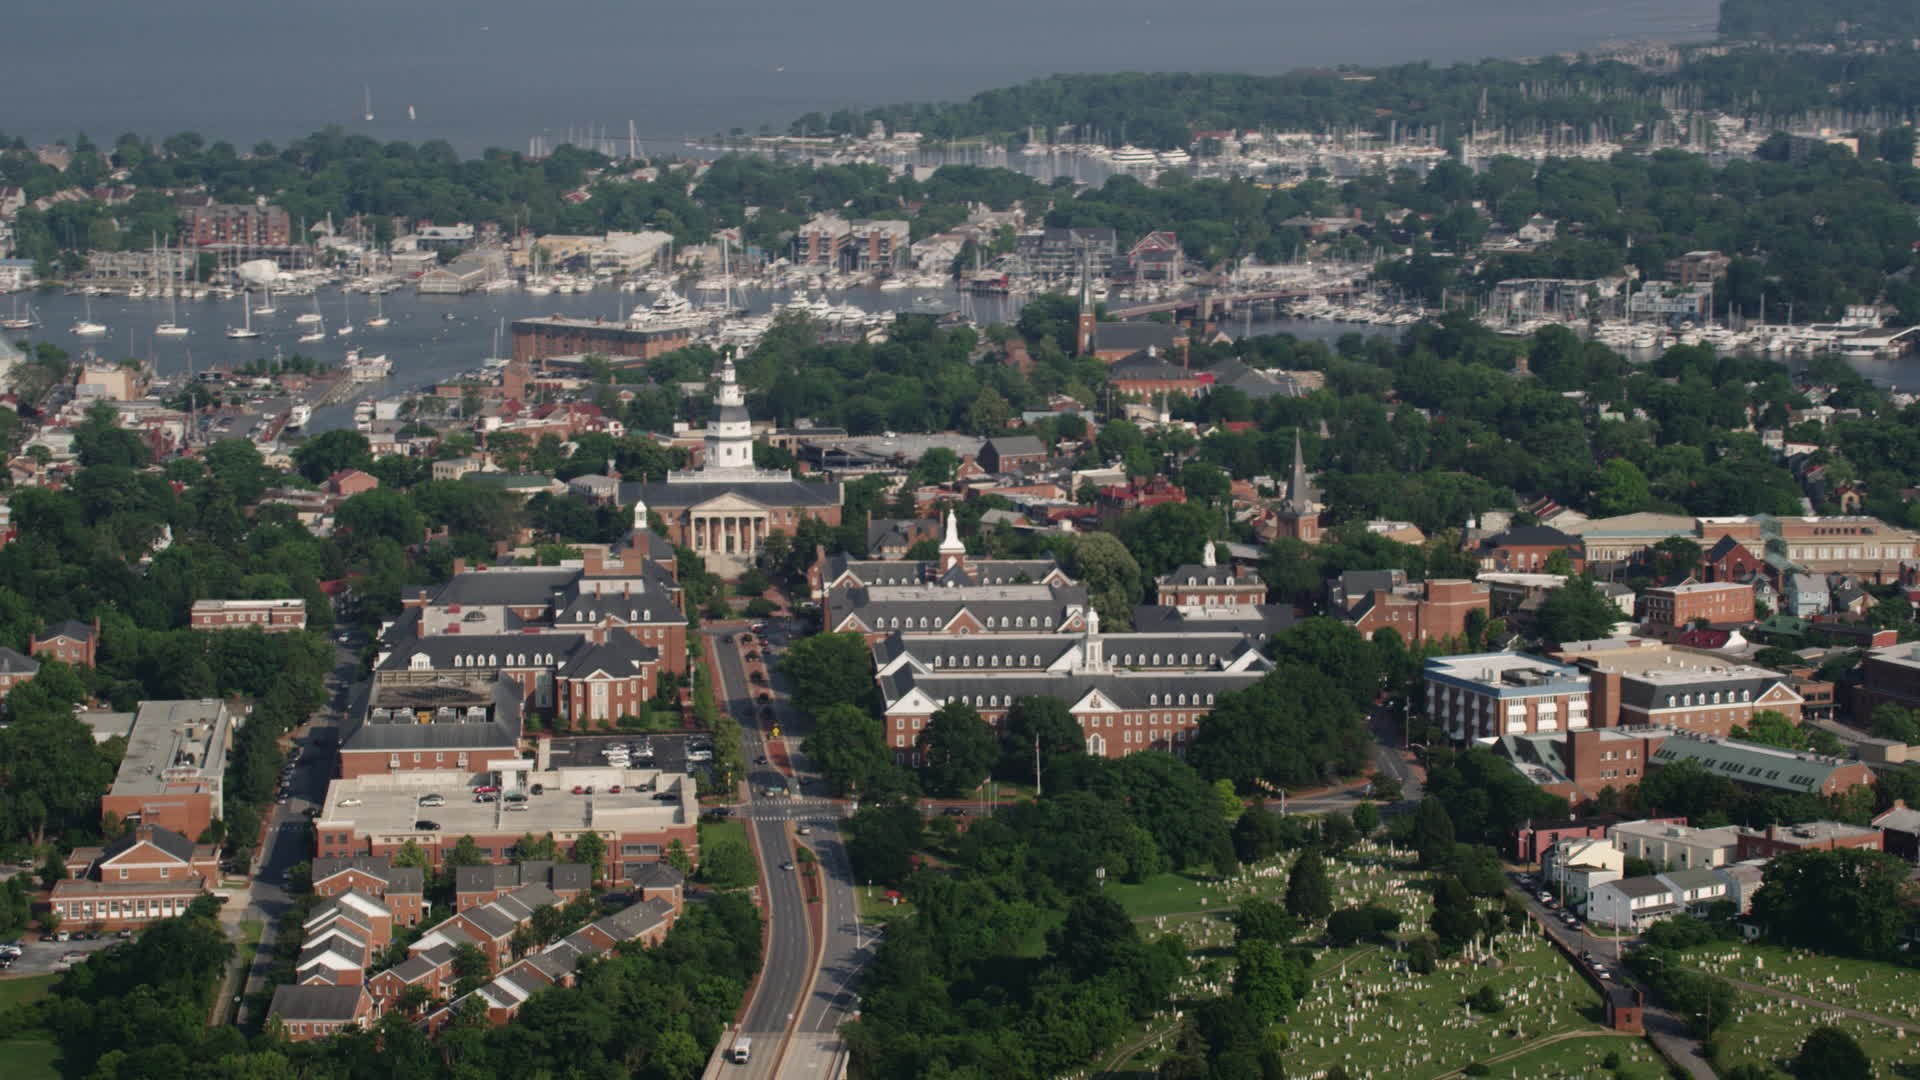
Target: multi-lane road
(805, 991)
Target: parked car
(579, 789)
(803, 831)
(538, 789)
(428, 826)
(485, 797)
(613, 789)
(484, 789)
(516, 797)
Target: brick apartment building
(401, 888)
(207, 224)
(272, 616)
(1505, 693)
(1678, 605)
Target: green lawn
(711, 831)
(29, 1059)
(24, 989)
(1165, 894)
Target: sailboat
(17, 321)
(410, 115)
(367, 96)
(267, 308)
(241, 333)
(86, 327)
(310, 316)
(172, 327)
(346, 301)
(379, 314)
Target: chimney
(459, 566)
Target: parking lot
(42, 957)
(669, 751)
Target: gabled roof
(636, 920)
(336, 1003)
(165, 839)
(622, 656)
(1016, 446)
(13, 662)
(67, 628)
(656, 876)
(1531, 536)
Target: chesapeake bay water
(483, 73)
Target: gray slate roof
(295, 1003)
(14, 662)
(1127, 690)
(400, 879)
(636, 920)
(1258, 621)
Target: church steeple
(1300, 491)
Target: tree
(590, 848)
(1577, 611)
(1038, 722)
(1829, 1053)
(1433, 833)
(1309, 890)
(882, 839)
(1620, 488)
(1772, 729)
(958, 750)
(1366, 818)
(1338, 833)
(727, 863)
(1456, 918)
(1846, 901)
(1269, 980)
(829, 669)
(1890, 721)
(849, 745)
(1112, 577)
(327, 453)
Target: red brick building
(206, 224)
(1208, 584)
(1716, 602)
(401, 888)
(304, 1013)
(1778, 840)
(1729, 560)
(1439, 611)
(1526, 548)
(69, 642)
(350, 482)
(150, 873)
(272, 616)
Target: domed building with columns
(727, 508)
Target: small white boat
(319, 334)
(246, 330)
(344, 331)
(87, 328)
(167, 329)
(298, 416)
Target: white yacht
(1175, 158)
(1132, 157)
(298, 416)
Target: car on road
(788, 865)
(352, 802)
(485, 797)
(516, 797)
(955, 811)
(485, 789)
(517, 806)
(699, 755)
(538, 789)
(427, 826)
(803, 831)
(433, 800)
(666, 796)
(761, 760)
(613, 789)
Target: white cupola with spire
(952, 551)
(1206, 555)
